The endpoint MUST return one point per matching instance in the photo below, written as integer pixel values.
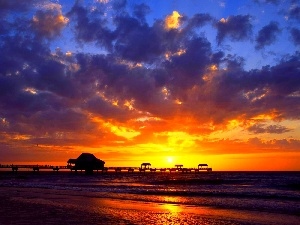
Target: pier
(34, 168)
(125, 169)
(88, 163)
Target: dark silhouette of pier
(89, 163)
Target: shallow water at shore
(216, 198)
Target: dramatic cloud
(113, 75)
(90, 26)
(49, 21)
(294, 12)
(236, 28)
(141, 10)
(296, 36)
(16, 5)
(267, 35)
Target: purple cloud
(267, 35)
(236, 28)
(271, 129)
(295, 35)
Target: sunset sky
(163, 81)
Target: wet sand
(32, 206)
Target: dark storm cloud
(131, 38)
(137, 41)
(119, 4)
(141, 10)
(90, 26)
(294, 12)
(235, 92)
(51, 77)
(232, 93)
(16, 5)
(267, 35)
(295, 35)
(261, 128)
(194, 60)
(106, 110)
(236, 28)
(199, 20)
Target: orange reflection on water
(171, 205)
(172, 208)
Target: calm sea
(269, 193)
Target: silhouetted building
(145, 166)
(87, 162)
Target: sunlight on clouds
(113, 101)
(49, 21)
(264, 117)
(68, 53)
(131, 65)
(4, 122)
(20, 137)
(123, 131)
(232, 124)
(178, 102)
(31, 90)
(166, 93)
(120, 131)
(162, 149)
(223, 20)
(295, 94)
(256, 94)
(231, 132)
(213, 67)
(148, 118)
(173, 21)
(168, 55)
(178, 139)
(74, 67)
(129, 104)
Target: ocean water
(201, 198)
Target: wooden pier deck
(37, 168)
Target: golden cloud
(173, 21)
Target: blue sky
(261, 13)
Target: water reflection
(171, 207)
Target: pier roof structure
(87, 162)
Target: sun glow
(169, 159)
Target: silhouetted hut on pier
(87, 162)
(144, 167)
(179, 167)
(204, 166)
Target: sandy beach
(44, 206)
